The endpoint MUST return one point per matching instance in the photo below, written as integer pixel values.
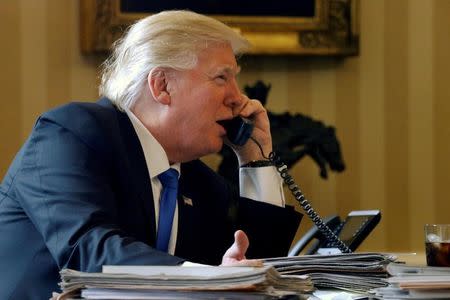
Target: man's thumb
(239, 247)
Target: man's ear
(157, 83)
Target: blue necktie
(169, 181)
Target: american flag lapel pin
(187, 201)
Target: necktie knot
(169, 178)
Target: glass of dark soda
(437, 245)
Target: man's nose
(234, 96)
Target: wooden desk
(418, 259)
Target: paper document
(354, 272)
(136, 282)
(416, 282)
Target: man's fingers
(246, 263)
(251, 108)
(235, 255)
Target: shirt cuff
(262, 184)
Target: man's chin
(215, 147)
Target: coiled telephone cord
(304, 203)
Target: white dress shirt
(259, 184)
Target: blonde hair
(168, 39)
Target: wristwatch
(258, 164)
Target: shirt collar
(155, 156)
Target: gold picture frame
(332, 30)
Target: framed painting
(307, 27)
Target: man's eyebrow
(230, 70)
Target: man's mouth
(224, 123)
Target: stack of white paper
(175, 282)
(416, 282)
(355, 272)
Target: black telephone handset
(239, 131)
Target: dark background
(299, 8)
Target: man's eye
(221, 77)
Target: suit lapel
(136, 172)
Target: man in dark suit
(85, 189)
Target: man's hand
(253, 110)
(235, 255)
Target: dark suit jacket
(78, 196)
